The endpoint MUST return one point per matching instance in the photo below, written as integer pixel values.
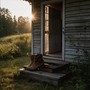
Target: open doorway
(53, 29)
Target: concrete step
(51, 78)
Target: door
(55, 30)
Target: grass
(9, 79)
(15, 53)
(15, 45)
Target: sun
(32, 17)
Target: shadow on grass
(10, 78)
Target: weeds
(14, 46)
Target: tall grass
(15, 45)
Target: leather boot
(36, 62)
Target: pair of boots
(36, 62)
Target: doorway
(53, 29)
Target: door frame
(63, 26)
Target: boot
(36, 62)
(32, 60)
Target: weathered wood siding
(77, 28)
(36, 26)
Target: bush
(8, 50)
(14, 46)
(81, 71)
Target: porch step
(50, 57)
(51, 78)
(54, 72)
(55, 68)
(54, 60)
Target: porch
(54, 75)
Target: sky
(17, 7)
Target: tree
(15, 25)
(9, 25)
(6, 23)
(23, 25)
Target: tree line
(10, 25)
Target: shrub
(13, 46)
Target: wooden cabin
(61, 29)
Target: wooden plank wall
(77, 28)
(36, 25)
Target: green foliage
(81, 72)
(14, 46)
(23, 25)
(80, 69)
(8, 50)
(8, 70)
(9, 25)
(10, 79)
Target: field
(14, 46)
(10, 79)
(15, 53)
